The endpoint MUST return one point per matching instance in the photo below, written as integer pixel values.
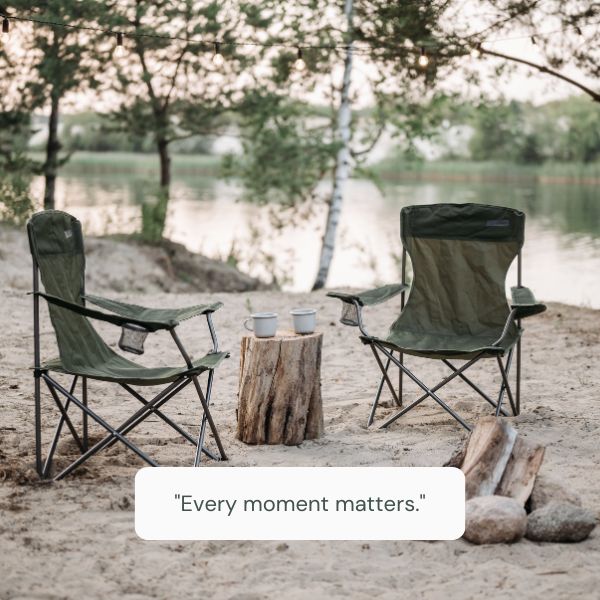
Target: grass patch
(91, 163)
(396, 169)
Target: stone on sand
(560, 522)
(494, 520)
(547, 490)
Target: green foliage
(154, 216)
(566, 131)
(286, 151)
(16, 169)
(16, 204)
(502, 132)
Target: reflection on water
(561, 255)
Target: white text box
(300, 503)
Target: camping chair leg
(102, 423)
(84, 417)
(64, 416)
(182, 432)
(150, 407)
(129, 424)
(57, 432)
(503, 387)
(208, 416)
(383, 369)
(506, 383)
(518, 386)
(38, 426)
(200, 443)
(377, 396)
(474, 387)
(205, 408)
(429, 392)
(400, 382)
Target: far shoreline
(389, 170)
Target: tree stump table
(280, 389)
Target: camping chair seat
(118, 369)
(436, 345)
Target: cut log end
(496, 460)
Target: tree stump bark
(280, 389)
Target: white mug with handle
(264, 325)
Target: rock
(547, 490)
(560, 522)
(494, 520)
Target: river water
(561, 252)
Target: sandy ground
(75, 538)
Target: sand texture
(75, 538)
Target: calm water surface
(561, 253)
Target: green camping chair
(456, 307)
(56, 244)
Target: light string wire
(470, 42)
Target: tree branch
(380, 130)
(543, 69)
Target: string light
(218, 59)
(299, 65)
(119, 48)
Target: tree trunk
(52, 150)
(154, 215)
(165, 163)
(342, 163)
(280, 389)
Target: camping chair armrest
(525, 303)
(352, 304)
(371, 297)
(172, 317)
(100, 316)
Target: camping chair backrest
(460, 256)
(56, 243)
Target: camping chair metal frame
(352, 316)
(150, 407)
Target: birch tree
(342, 162)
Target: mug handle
(245, 324)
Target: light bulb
(299, 65)
(423, 59)
(119, 48)
(218, 59)
(475, 52)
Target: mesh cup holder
(132, 338)
(349, 315)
